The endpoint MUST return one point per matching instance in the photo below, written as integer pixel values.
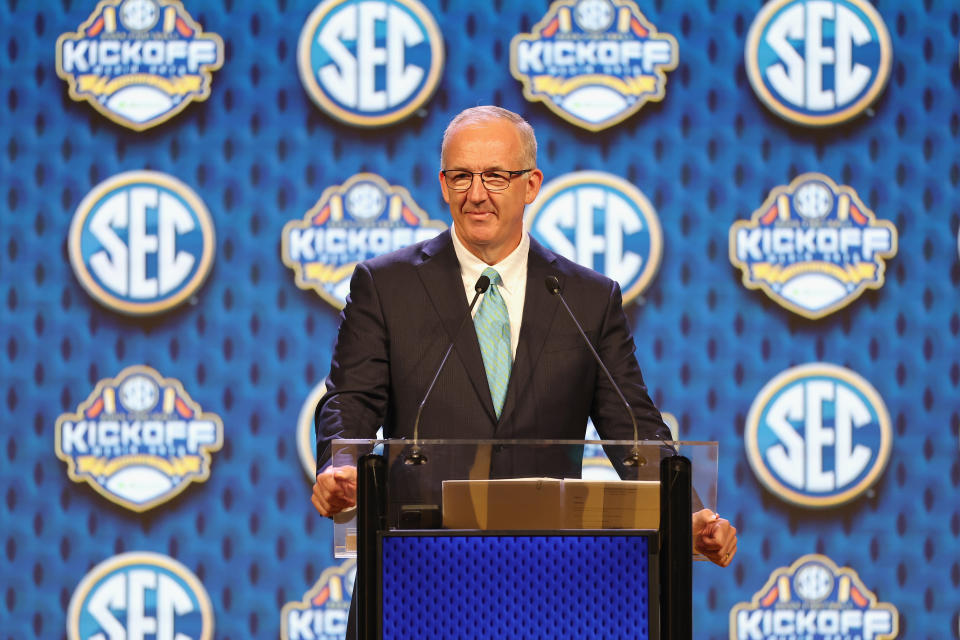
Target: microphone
(416, 457)
(633, 459)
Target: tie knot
(491, 273)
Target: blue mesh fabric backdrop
(250, 345)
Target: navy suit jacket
(404, 309)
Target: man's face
(489, 223)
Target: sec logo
(306, 433)
(818, 62)
(370, 63)
(138, 595)
(818, 435)
(603, 222)
(141, 242)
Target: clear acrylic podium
(524, 538)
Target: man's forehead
(494, 140)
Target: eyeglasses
(459, 180)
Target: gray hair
(486, 113)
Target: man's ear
(534, 181)
(443, 188)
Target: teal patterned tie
(493, 332)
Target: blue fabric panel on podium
(502, 586)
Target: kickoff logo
(370, 63)
(141, 242)
(139, 62)
(360, 219)
(322, 613)
(594, 63)
(818, 62)
(813, 599)
(138, 439)
(139, 595)
(603, 222)
(812, 247)
(818, 435)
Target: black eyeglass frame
(511, 175)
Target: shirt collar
(512, 269)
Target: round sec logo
(818, 62)
(141, 242)
(306, 434)
(818, 435)
(603, 222)
(370, 63)
(140, 594)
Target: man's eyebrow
(493, 168)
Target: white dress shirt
(513, 274)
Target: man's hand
(714, 537)
(335, 490)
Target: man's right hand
(335, 490)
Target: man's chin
(477, 230)
(480, 226)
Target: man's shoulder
(571, 271)
(408, 256)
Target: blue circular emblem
(141, 242)
(139, 594)
(818, 62)
(818, 435)
(370, 63)
(306, 435)
(603, 222)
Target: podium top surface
(521, 484)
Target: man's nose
(477, 192)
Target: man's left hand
(714, 537)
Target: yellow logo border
(319, 96)
(790, 571)
(97, 573)
(791, 115)
(660, 71)
(153, 374)
(762, 400)
(206, 70)
(305, 223)
(788, 190)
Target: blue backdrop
(250, 345)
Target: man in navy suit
(405, 307)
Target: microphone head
(415, 457)
(483, 282)
(553, 285)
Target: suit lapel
(440, 273)
(539, 308)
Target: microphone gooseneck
(633, 459)
(416, 457)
